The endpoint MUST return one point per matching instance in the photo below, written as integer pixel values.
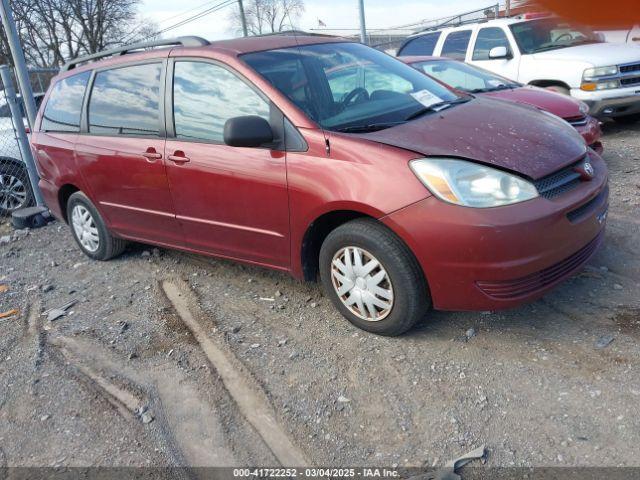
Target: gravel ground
(121, 380)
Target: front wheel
(89, 230)
(372, 278)
(15, 189)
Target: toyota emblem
(585, 170)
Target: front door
(230, 201)
(487, 39)
(121, 154)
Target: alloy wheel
(362, 284)
(13, 192)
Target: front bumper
(616, 102)
(489, 259)
(591, 132)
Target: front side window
(205, 96)
(126, 101)
(550, 34)
(489, 38)
(455, 45)
(422, 45)
(464, 76)
(350, 87)
(64, 107)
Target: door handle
(151, 154)
(179, 157)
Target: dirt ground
(169, 359)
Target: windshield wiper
(436, 107)
(504, 86)
(371, 127)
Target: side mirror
(499, 52)
(247, 131)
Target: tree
(267, 16)
(53, 31)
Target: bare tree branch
(267, 16)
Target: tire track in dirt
(251, 400)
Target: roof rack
(188, 41)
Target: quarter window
(64, 107)
(455, 45)
(489, 38)
(422, 45)
(205, 96)
(126, 101)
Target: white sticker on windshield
(426, 98)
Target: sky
(339, 14)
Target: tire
(89, 230)
(409, 299)
(627, 119)
(15, 188)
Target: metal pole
(497, 14)
(21, 134)
(363, 27)
(507, 8)
(243, 18)
(20, 65)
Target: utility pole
(507, 8)
(20, 65)
(243, 18)
(363, 27)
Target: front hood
(507, 135)
(556, 103)
(597, 54)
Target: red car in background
(475, 80)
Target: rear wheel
(627, 119)
(372, 278)
(90, 231)
(15, 189)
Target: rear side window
(126, 101)
(422, 45)
(455, 45)
(205, 96)
(489, 38)
(64, 107)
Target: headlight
(600, 72)
(605, 85)
(470, 184)
(584, 108)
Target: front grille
(533, 283)
(630, 81)
(559, 182)
(585, 209)
(577, 121)
(630, 68)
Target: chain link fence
(15, 188)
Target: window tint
(489, 38)
(423, 45)
(64, 107)
(205, 96)
(125, 101)
(455, 45)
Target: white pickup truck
(547, 52)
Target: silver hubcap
(85, 228)
(13, 193)
(362, 283)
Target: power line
(187, 11)
(198, 16)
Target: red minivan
(398, 193)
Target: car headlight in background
(584, 108)
(600, 72)
(470, 184)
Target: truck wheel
(15, 189)
(372, 278)
(89, 230)
(627, 119)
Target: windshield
(550, 34)
(351, 87)
(464, 76)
